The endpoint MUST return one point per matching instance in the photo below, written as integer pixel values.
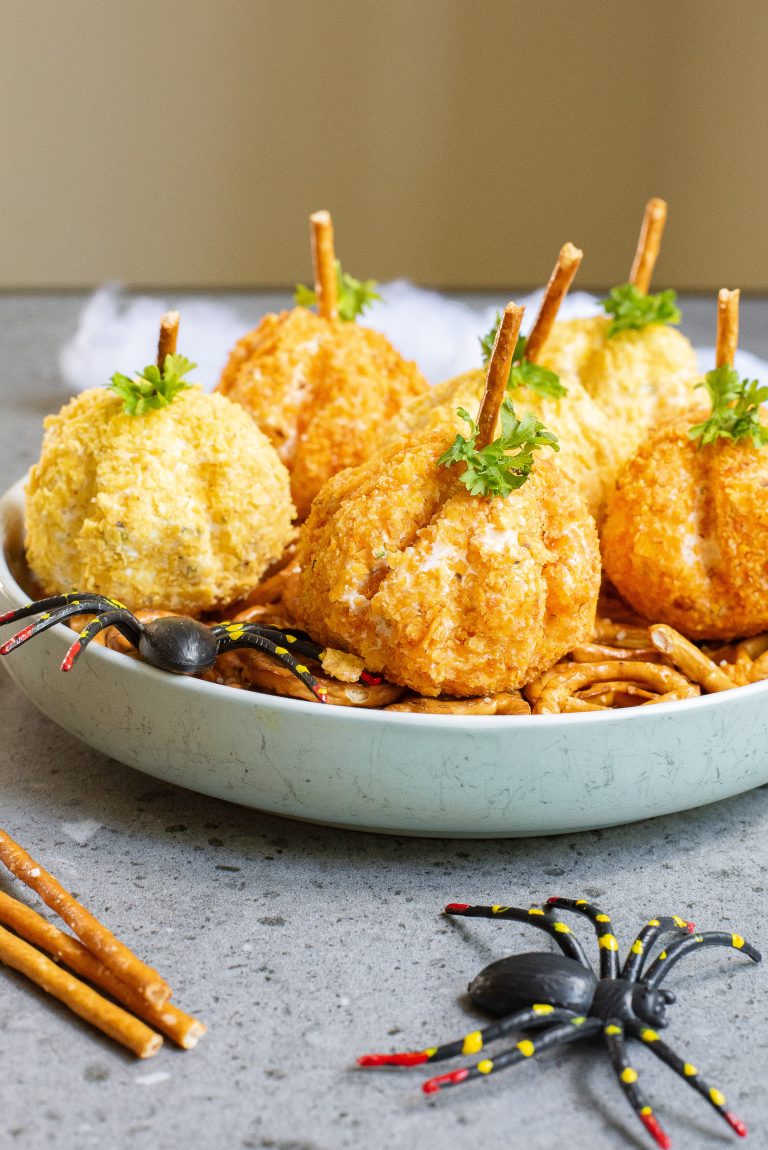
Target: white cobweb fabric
(117, 333)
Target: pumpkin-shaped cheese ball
(182, 507)
(638, 370)
(587, 445)
(441, 590)
(322, 388)
(684, 537)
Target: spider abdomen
(516, 982)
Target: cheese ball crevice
(441, 591)
(181, 508)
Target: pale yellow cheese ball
(181, 508)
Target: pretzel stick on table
(185, 1030)
(110, 1019)
(324, 264)
(565, 269)
(498, 373)
(96, 937)
(727, 327)
(648, 244)
(689, 659)
(169, 332)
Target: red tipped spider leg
(403, 1058)
(691, 927)
(432, 1085)
(735, 1123)
(16, 640)
(456, 907)
(71, 655)
(656, 1130)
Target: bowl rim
(12, 500)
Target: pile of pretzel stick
(96, 955)
(629, 663)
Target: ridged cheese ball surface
(639, 379)
(442, 591)
(587, 453)
(182, 508)
(684, 537)
(324, 393)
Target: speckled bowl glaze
(462, 777)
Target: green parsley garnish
(355, 296)
(492, 470)
(735, 408)
(632, 309)
(152, 387)
(539, 379)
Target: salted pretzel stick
(182, 1028)
(96, 937)
(565, 269)
(689, 659)
(324, 264)
(110, 1019)
(727, 326)
(169, 331)
(498, 373)
(648, 244)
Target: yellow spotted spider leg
(75, 605)
(117, 618)
(641, 947)
(664, 962)
(689, 1072)
(534, 916)
(578, 1027)
(628, 1076)
(606, 939)
(540, 1014)
(231, 636)
(52, 604)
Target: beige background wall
(457, 142)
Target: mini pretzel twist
(572, 677)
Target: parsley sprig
(632, 309)
(355, 296)
(735, 408)
(493, 470)
(539, 379)
(152, 388)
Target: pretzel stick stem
(169, 332)
(110, 1019)
(498, 373)
(727, 326)
(96, 937)
(648, 244)
(324, 264)
(182, 1028)
(565, 269)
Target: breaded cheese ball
(442, 591)
(181, 508)
(637, 378)
(322, 391)
(684, 537)
(587, 452)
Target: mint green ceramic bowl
(461, 777)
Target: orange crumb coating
(441, 591)
(323, 392)
(637, 378)
(684, 537)
(587, 453)
(182, 508)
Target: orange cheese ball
(442, 591)
(684, 537)
(322, 392)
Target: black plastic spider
(561, 994)
(178, 644)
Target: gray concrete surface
(302, 946)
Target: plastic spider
(561, 995)
(178, 644)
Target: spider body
(180, 645)
(562, 999)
